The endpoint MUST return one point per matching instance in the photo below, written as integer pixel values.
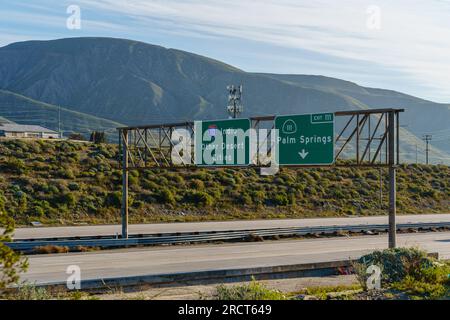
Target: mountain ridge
(132, 82)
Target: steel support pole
(392, 183)
(125, 184)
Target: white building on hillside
(13, 130)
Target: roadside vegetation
(12, 264)
(66, 182)
(407, 274)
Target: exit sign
(306, 139)
(222, 142)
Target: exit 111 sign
(306, 139)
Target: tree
(98, 137)
(11, 262)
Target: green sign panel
(222, 142)
(306, 139)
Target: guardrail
(29, 245)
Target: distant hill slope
(18, 108)
(135, 83)
(421, 116)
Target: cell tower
(234, 100)
(427, 138)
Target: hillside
(132, 82)
(422, 116)
(24, 110)
(63, 182)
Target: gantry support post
(124, 138)
(392, 182)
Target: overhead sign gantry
(359, 138)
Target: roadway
(101, 230)
(178, 259)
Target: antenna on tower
(234, 107)
(427, 138)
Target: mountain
(421, 116)
(132, 82)
(17, 108)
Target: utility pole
(125, 141)
(381, 179)
(392, 181)
(417, 155)
(59, 122)
(234, 100)
(427, 138)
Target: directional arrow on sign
(303, 154)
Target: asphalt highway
(179, 259)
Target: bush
(11, 262)
(30, 292)
(15, 166)
(397, 263)
(197, 184)
(251, 291)
(67, 199)
(199, 198)
(73, 186)
(166, 196)
(418, 289)
(408, 270)
(114, 199)
(66, 173)
(281, 199)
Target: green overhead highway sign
(305, 139)
(222, 142)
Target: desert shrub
(166, 196)
(199, 198)
(14, 166)
(37, 211)
(133, 181)
(252, 291)
(65, 173)
(245, 199)
(197, 184)
(73, 186)
(200, 175)
(67, 199)
(150, 185)
(114, 199)
(408, 270)
(281, 199)
(11, 262)
(30, 292)
(175, 178)
(258, 197)
(420, 289)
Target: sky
(401, 45)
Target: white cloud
(413, 39)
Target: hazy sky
(402, 45)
